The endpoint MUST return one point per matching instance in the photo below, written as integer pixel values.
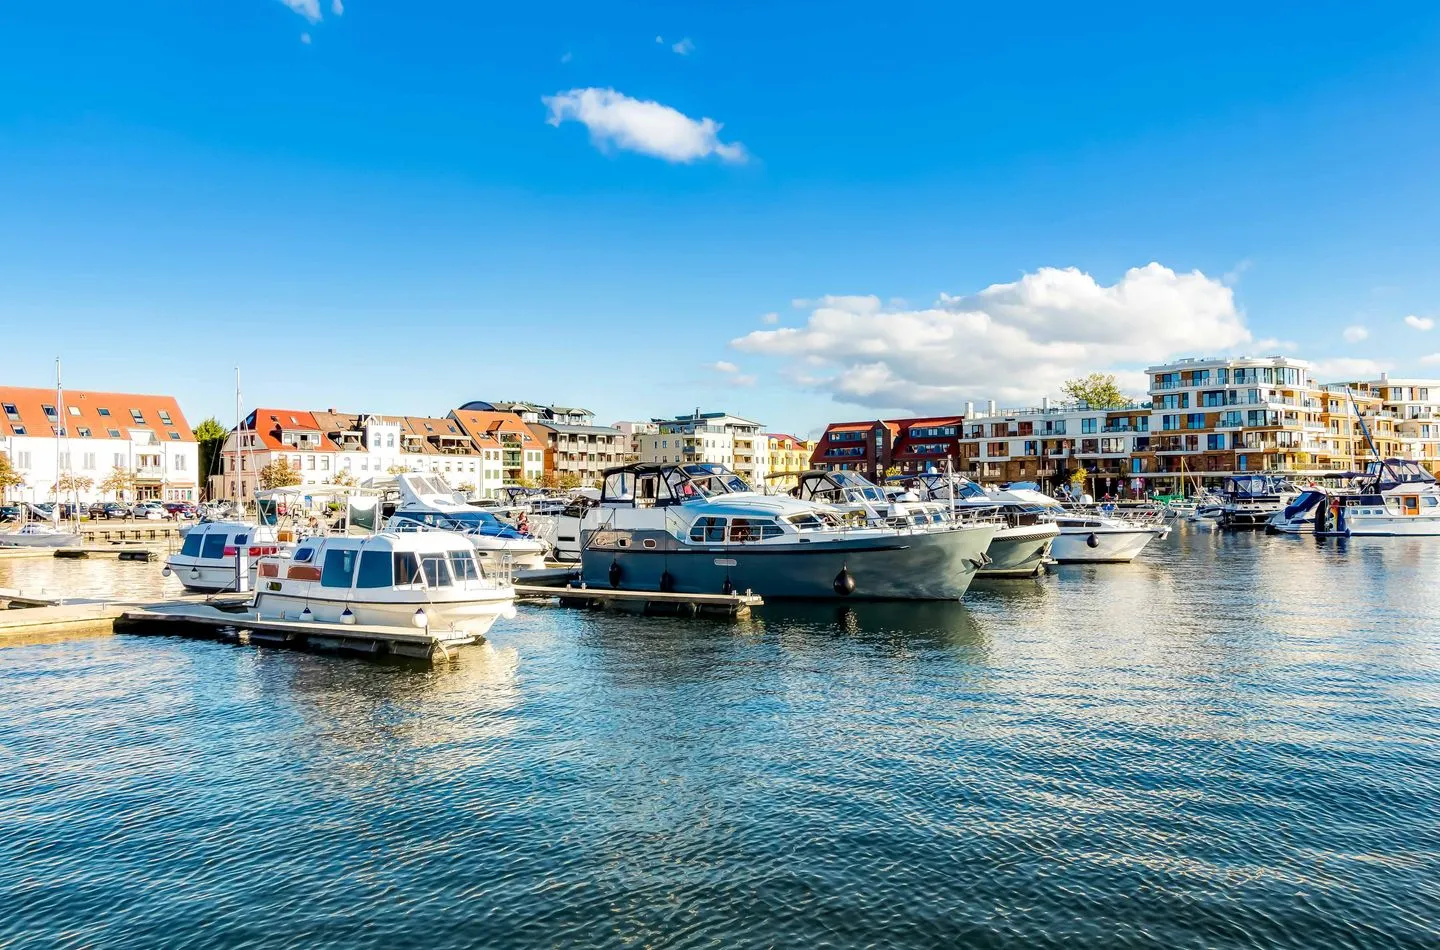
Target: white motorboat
(1395, 497)
(1024, 538)
(421, 578)
(426, 501)
(699, 528)
(1095, 534)
(1249, 501)
(207, 560)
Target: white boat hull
(1100, 545)
(1019, 552)
(524, 554)
(39, 540)
(473, 616)
(202, 577)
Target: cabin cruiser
(700, 528)
(1023, 537)
(207, 559)
(1087, 533)
(38, 534)
(427, 501)
(1248, 501)
(1392, 497)
(428, 579)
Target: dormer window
(11, 412)
(113, 433)
(103, 412)
(165, 417)
(74, 410)
(137, 416)
(50, 413)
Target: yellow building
(789, 457)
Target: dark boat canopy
(646, 484)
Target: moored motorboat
(1394, 497)
(421, 579)
(37, 534)
(699, 528)
(1249, 501)
(427, 501)
(1023, 541)
(207, 560)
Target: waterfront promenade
(1230, 743)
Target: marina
(1061, 744)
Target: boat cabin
(656, 486)
(422, 561)
(222, 540)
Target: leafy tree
(279, 474)
(1098, 391)
(525, 481)
(342, 478)
(210, 436)
(118, 482)
(397, 469)
(465, 488)
(1077, 480)
(568, 481)
(10, 476)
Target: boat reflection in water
(701, 529)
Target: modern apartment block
(789, 457)
(1049, 443)
(1413, 408)
(719, 437)
(91, 436)
(863, 447)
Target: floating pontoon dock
(645, 602)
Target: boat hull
(524, 554)
(18, 540)
(1019, 552)
(936, 565)
(205, 577)
(1100, 545)
(472, 616)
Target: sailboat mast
(238, 420)
(1365, 430)
(60, 432)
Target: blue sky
(382, 218)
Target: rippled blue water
(1231, 744)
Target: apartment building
(91, 435)
(863, 447)
(533, 412)
(1413, 406)
(718, 437)
(265, 437)
(511, 452)
(789, 457)
(1048, 444)
(631, 433)
(579, 454)
(926, 444)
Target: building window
(174, 437)
(165, 417)
(19, 430)
(83, 431)
(11, 412)
(50, 413)
(137, 416)
(1087, 426)
(74, 410)
(179, 465)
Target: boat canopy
(1250, 486)
(821, 485)
(644, 484)
(1394, 472)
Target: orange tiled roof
(91, 415)
(486, 427)
(268, 424)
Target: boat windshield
(858, 485)
(1399, 471)
(467, 522)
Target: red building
(862, 447)
(927, 444)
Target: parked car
(109, 510)
(9, 512)
(148, 511)
(180, 509)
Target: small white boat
(1397, 497)
(424, 579)
(38, 535)
(206, 561)
(1097, 534)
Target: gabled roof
(268, 424)
(83, 411)
(486, 428)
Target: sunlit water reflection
(1229, 744)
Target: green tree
(397, 470)
(342, 478)
(118, 482)
(279, 474)
(1077, 480)
(10, 476)
(1098, 391)
(465, 488)
(210, 436)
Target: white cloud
(685, 47)
(770, 318)
(309, 9)
(1233, 275)
(1345, 368)
(305, 38)
(650, 128)
(1420, 323)
(1271, 345)
(724, 366)
(1431, 359)
(1354, 334)
(1013, 342)
(338, 8)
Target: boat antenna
(1365, 430)
(60, 431)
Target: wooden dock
(125, 552)
(644, 601)
(247, 627)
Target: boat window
(304, 555)
(339, 567)
(806, 522)
(214, 546)
(1431, 501)
(191, 547)
(462, 565)
(436, 573)
(710, 530)
(242, 539)
(753, 529)
(407, 569)
(375, 569)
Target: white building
(95, 434)
(719, 437)
(1414, 404)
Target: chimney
(1384, 377)
(1045, 403)
(990, 408)
(969, 410)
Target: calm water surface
(1231, 744)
